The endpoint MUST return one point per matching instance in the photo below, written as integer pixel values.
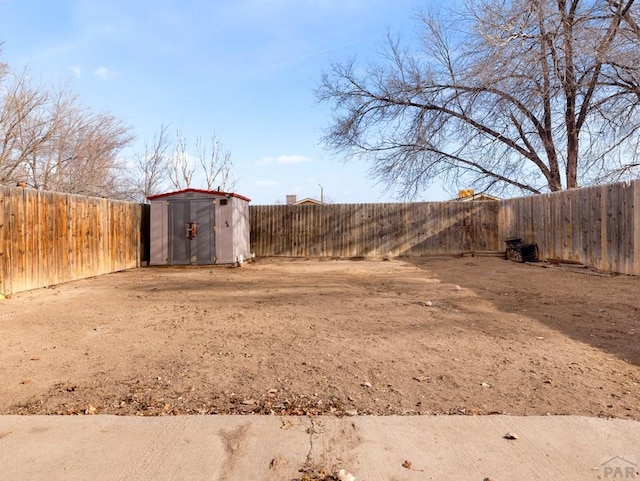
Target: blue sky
(245, 69)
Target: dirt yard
(429, 336)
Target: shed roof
(200, 191)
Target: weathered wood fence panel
(356, 230)
(596, 226)
(47, 238)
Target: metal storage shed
(193, 226)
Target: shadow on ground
(600, 310)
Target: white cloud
(77, 71)
(103, 72)
(293, 159)
(283, 159)
(267, 183)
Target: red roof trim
(200, 191)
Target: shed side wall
(159, 236)
(241, 231)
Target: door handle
(191, 230)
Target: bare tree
(216, 164)
(154, 163)
(210, 165)
(528, 95)
(50, 141)
(89, 163)
(182, 167)
(25, 125)
(175, 162)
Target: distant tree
(527, 95)
(216, 164)
(50, 141)
(25, 125)
(174, 162)
(153, 164)
(182, 167)
(85, 156)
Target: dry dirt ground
(408, 336)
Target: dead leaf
(510, 436)
(407, 465)
(277, 463)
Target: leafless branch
(521, 93)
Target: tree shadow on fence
(366, 230)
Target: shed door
(203, 245)
(192, 239)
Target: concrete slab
(245, 448)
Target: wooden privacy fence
(47, 238)
(597, 226)
(356, 230)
